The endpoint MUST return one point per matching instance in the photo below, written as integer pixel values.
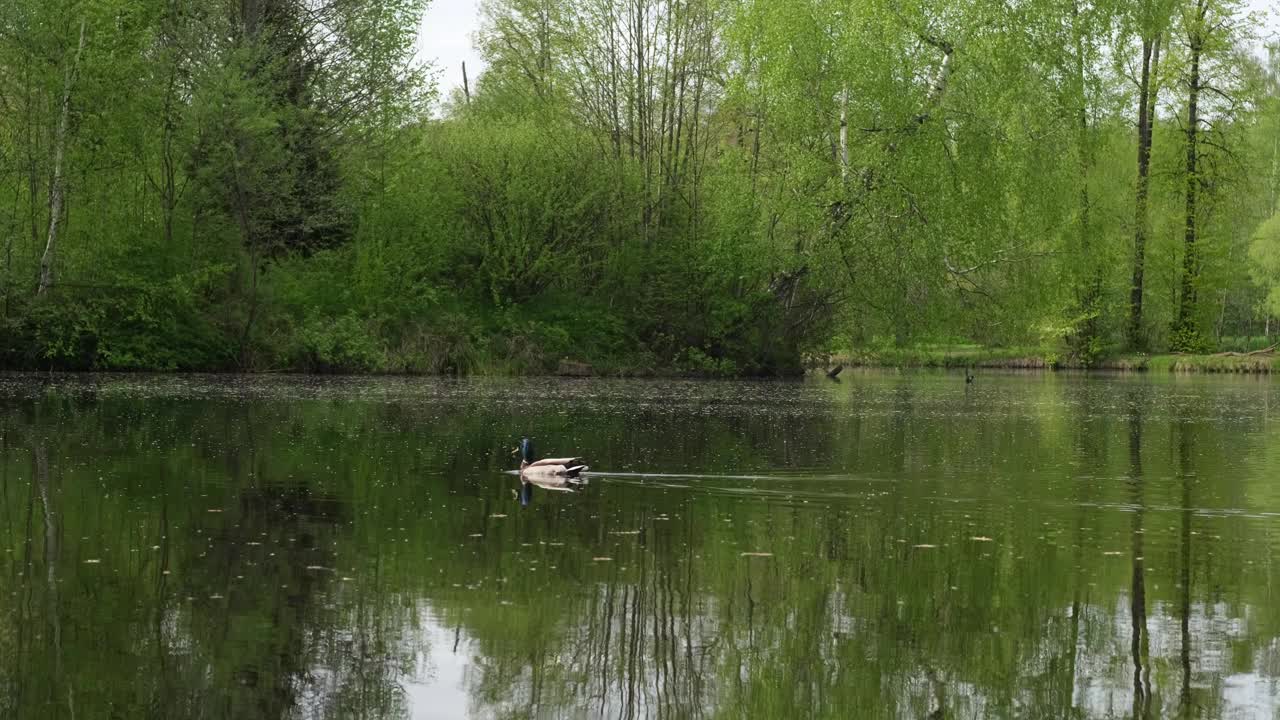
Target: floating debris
(755, 554)
(93, 561)
(601, 559)
(624, 532)
(924, 546)
(498, 515)
(981, 538)
(1112, 552)
(214, 510)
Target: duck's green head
(526, 450)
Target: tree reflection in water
(908, 549)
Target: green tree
(1264, 254)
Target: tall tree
(1217, 95)
(57, 186)
(1151, 22)
(1185, 331)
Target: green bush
(693, 361)
(342, 345)
(1186, 338)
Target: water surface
(891, 546)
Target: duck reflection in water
(560, 484)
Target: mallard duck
(547, 468)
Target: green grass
(946, 356)
(1030, 358)
(1254, 364)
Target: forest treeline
(700, 186)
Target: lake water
(890, 546)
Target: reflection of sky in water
(1251, 695)
(1103, 681)
(440, 693)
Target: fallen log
(1231, 353)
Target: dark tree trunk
(1190, 264)
(1185, 708)
(1147, 90)
(1140, 641)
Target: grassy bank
(947, 356)
(973, 356)
(1262, 363)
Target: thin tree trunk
(1185, 708)
(1222, 317)
(1275, 175)
(633, 88)
(642, 110)
(246, 232)
(1145, 110)
(52, 559)
(1092, 280)
(57, 190)
(1140, 640)
(844, 134)
(1190, 264)
(544, 51)
(666, 108)
(14, 224)
(33, 151)
(169, 187)
(613, 84)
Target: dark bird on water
(968, 377)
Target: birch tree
(57, 188)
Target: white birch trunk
(944, 75)
(844, 134)
(57, 189)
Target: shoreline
(1257, 363)
(1218, 364)
(1265, 361)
